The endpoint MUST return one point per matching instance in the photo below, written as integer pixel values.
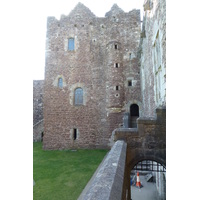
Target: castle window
(130, 83)
(60, 83)
(78, 96)
(74, 134)
(71, 44)
(116, 65)
(117, 87)
(130, 56)
(116, 46)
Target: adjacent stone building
(92, 77)
(38, 127)
(153, 56)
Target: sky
(36, 13)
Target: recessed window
(117, 87)
(74, 134)
(71, 44)
(78, 96)
(130, 56)
(130, 83)
(116, 46)
(116, 65)
(60, 83)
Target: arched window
(71, 44)
(60, 83)
(78, 96)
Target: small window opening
(75, 134)
(42, 135)
(71, 44)
(116, 46)
(116, 65)
(78, 96)
(129, 83)
(117, 87)
(60, 83)
(130, 56)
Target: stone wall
(38, 130)
(130, 146)
(147, 142)
(38, 127)
(153, 56)
(103, 63)
(108, 181)
(38, 86)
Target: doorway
(151, 176)
(134, 114)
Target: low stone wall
(37, 131)
(108, 181)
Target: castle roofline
(115, 9)
(81, 8)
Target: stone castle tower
(92, 77)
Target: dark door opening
(42, 134)
(134, 114)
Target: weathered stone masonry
(38, 92)
(102, 63)
(37, 101)
(153, 56)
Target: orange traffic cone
(138, 184)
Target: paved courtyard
(147, 192)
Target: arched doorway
(134, 114)
(152, 177)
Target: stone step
(149, 178)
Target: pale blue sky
(58, 7)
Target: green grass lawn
(63, 174)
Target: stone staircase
(133, 123)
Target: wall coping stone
(146, 121)
(109, 179)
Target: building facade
(101, 73)
(92, 77)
